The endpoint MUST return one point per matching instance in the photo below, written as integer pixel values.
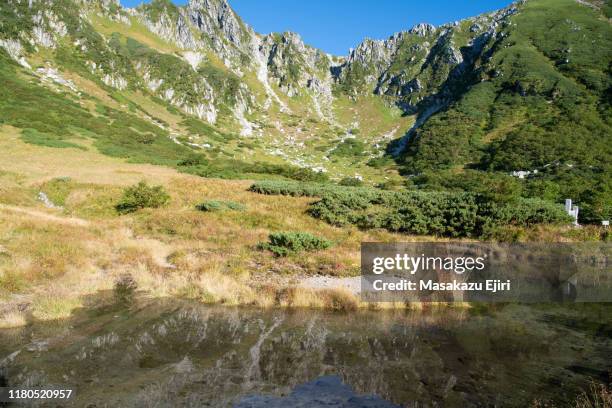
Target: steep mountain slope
(525, 88)
(537, 100)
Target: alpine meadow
(165, 169)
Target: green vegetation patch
(349, 148)
(274, 187)
(233, 169)
(351, 182)
(33, 136)
(287, 243)
(433, 213)
(58, 189)
(454, 214)
(217, 205)
(141, 196)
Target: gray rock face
(293, 65)
(211, 16)
(176, 31)
(422, 29)
(47, 29)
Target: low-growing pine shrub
(209, 206)
(287, 243)
(452, 214)
(217, 205)
(141, 196)
(351, 182)
(302, 189)
(232, 205)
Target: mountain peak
(422, 29)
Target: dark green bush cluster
(235, 169)
(589, 186)
(277, 187)
(454, 214)
(349, 148)
(351, 182)
(436, 213)
(296, 189)
(217, 205)
(287, 243)
(140, 196)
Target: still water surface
(177, 353)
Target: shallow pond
(173, 353)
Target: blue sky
(337, 25)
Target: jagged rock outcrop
(294, 65)
(422, 29)
(420, 64)
(171, 24)
(216, 16)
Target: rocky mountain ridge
(206, 29)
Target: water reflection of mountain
(171, 353)
(323, 392)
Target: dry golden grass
(598, 396)
(50, 307)
(92, 89)
(12, 319)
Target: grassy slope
(214, 253)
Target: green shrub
(270, 187)
(235, 169)
(303, 189)
(140, 196)
(211, 205)
(380, 162)
(232, 205)
(351, 182)
(392, 185)
(286, 243)
(349, 148)
(216, 205)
